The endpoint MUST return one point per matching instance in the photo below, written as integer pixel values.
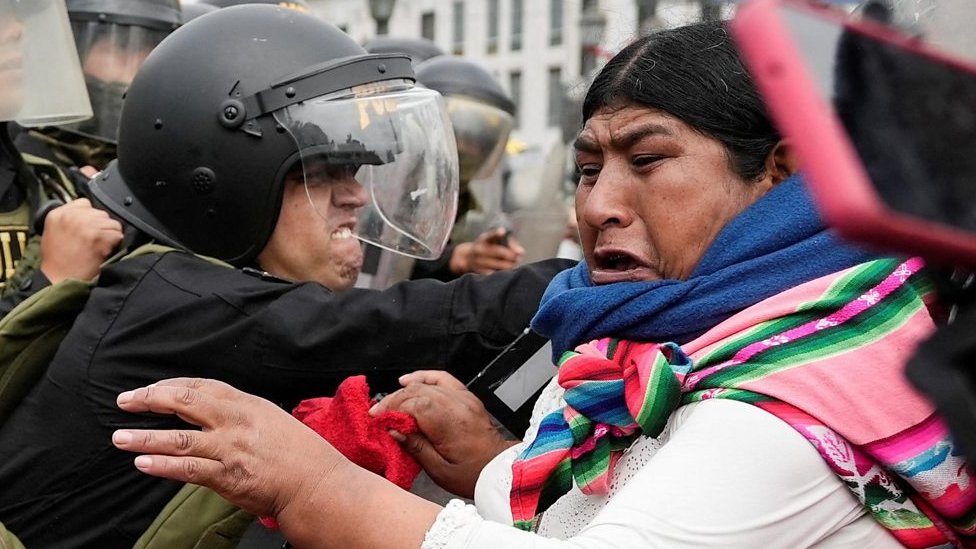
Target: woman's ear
(781, 162)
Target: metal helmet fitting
(225, 106)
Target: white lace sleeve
(459, 526)
(451, 521)
(723, 473)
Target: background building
(541, 51)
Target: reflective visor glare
(481, 132)
(400, 148)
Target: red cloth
(344, 421)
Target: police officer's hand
(89, 171)
(456, 439)
(494, 250)
(77, 239)
(250, 451)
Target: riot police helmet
(113, 38)
(482, 114)
(209, 132)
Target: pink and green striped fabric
(826, 357)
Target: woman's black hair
(693, 73)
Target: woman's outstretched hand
(250, 451)
(263, 460)
(457, 437)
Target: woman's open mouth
(611, 266)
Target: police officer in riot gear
(112, 38)
(482, 119)
(194, 200)
(482, 116)
(277, 151)
(41, 83)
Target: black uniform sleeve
(286, 341)
(438, 269)
(13, 296)
(421, 324)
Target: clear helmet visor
(111, 54)
(395, 140)
(481, 132)
(40, 78)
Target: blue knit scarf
(776, 243)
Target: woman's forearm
(353, 508)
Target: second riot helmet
(481, 112)
(113, 38)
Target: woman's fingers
(240, 451)
(169, 442)
(420, 448)
(422, 384)
(432, 377)
(213, 387)
(193, 402)
(196, 470)
(397, 400)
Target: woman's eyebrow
(587, 144)
(623, 139)
(629, 136)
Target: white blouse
(722, 474)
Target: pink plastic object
(838, 181)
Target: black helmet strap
(325, 79)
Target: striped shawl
(826, 357)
